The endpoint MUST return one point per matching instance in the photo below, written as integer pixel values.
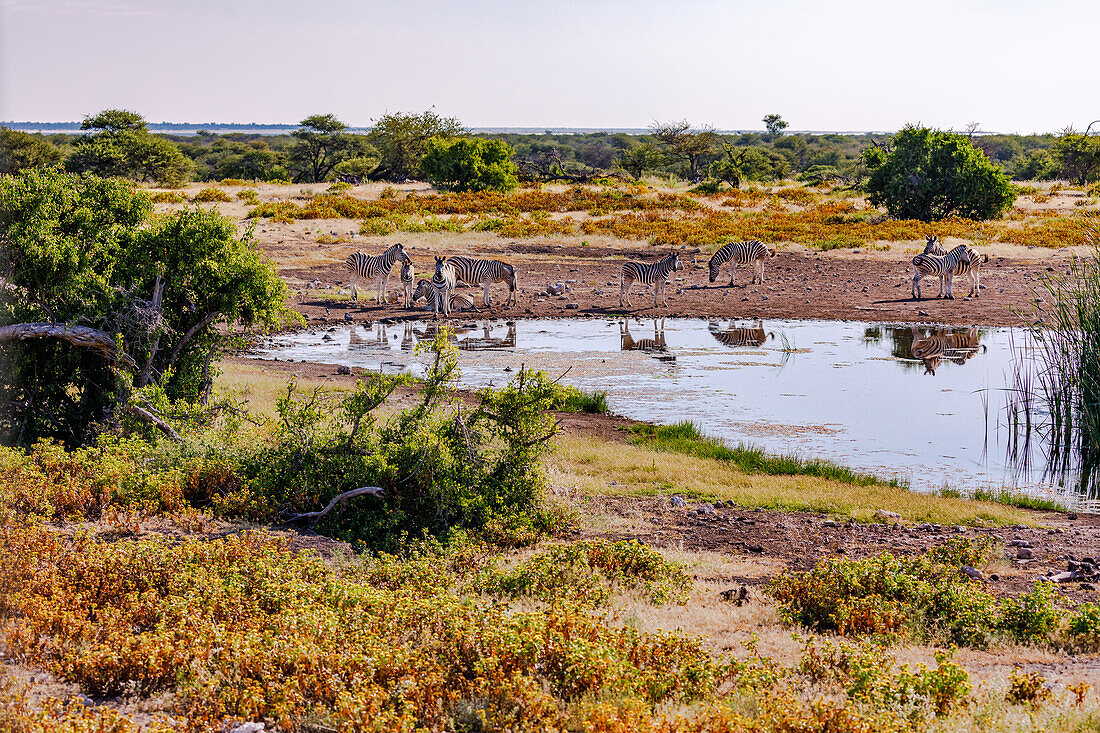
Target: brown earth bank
(797, 285)
(780, 540)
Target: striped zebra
(407, 274)
(485, 272)
(751, 252)
(740, 337)
(425, 289)
(655, 274)
(443, 281)
(932, 246)
(363, 265)
(945, 267)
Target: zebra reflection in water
(655, 346)
(941, 344)
(740, 336)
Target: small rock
(1088, 561)
(677, 502)
(1023, 553)
(572, 306)
(1071, 515)
(85, 701)
(343, 369)
(994, 577)
(1019, 543)
(248, 728)
(1065, 577)
(706, 509)
(887, 516)
(829, 523)
(755, 548)
(971, 572)
(1086, 586)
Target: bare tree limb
(149, 417)
(188, 336)
(84, 336)
(314, 516)
(146, 372)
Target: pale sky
(1013, 66)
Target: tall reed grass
(1056, 392)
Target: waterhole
(919, 403)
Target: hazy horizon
(850, 66)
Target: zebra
(407, 282)
(741, 253)
(945, 267)
(425, 289)
(933, 247)
(477, 272)
(741, 337)
(363, 265)
(655, 274)
(443, 281)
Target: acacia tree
(775, 125)
(119, 144)
(640, 159)
(402, 139)
(321, 144)
(99, 298)
(930, 174)
(1078, 155)
(681, 140)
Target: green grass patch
(571, 399)
(1021, 501)
(685, 437)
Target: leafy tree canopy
(469, 164)
(320, 145)
(20, 150)
(681, 140)
(81, 251)
(1078, 156)
(121, 146)
(402, 139)
(930, 175)
(775, 125)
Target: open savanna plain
(671, 583)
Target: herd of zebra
(440, 296)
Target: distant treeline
(323, 148)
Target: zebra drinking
(443, 282)
(426, 290)
(363, 265)
(957, 261)
(752, 252)
(485, 272)
(655, 274)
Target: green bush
(120, 145)
(1083, 631)
(931, 175)
(469, 164)
(589, 571)
(1033, 617)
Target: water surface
(913, 402)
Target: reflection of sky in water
(849, 392)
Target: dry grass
(591, 466)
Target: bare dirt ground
(837, 285)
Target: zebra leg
(947, 279)
(975, 285)
(733, 272)
(488, 303)
(916, 284)
(354, 288)
(758, 272)
(941, 287)
(624, 291)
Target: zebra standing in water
(741, 253)
(957, 261)
(443, 282)
(363, 265)
(407, 282)
(655, 274)
(477, 272)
